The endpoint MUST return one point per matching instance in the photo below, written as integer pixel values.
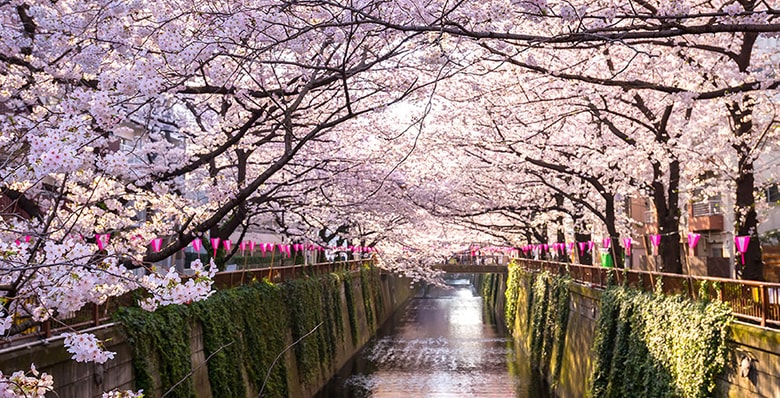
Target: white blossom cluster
(169, 289)
(85, 347)
(32, 384)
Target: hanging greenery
(160, 341)
(304, 301)
(489, 286)
(512, 293)
(372, 299)
(652, 345)
(244, 329)
(549, 317)
(351, 308)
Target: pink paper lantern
(606, 242)
(655, 240)
(742, 243)
(693, 240)
(157, 244)
(101, 240)
(215, 245)
(197, 244)
(627, 245)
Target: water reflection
(438, 346)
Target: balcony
(706, 216)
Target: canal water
(443, 344)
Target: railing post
(46, 328)
(691, 292)
(764, 304)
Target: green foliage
(549, 317)
(244, 329)
(372, 298)
(658, 346)
(160, 341)
(487, 289)
(489, 285)
(512, 293)
(351, 308)
(303, 299)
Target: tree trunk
(614, 237)
(746, 223)
(667, 206)
(745, 218)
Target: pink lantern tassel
(215, 246)
(656, 240)
(742, 243)
(197, 245)
(157, 244)
(627, 245)
(693, 240)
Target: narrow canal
(440, 345)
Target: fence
(751, 301)
(228, 279)
(92, 315)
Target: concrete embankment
(567, 356)
(237, 343)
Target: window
(773, 194)
(706, 208)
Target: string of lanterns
(741, 244)
(102, 240)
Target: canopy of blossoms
(130, 130)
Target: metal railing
(228, 279)
(751, 301)
(467, 259)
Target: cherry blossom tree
(404, 125)
(127, 121)
(691, 51)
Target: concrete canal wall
(225, 346)
(752, 366)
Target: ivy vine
(512, 293)
(549, 316)
(244, 329)
(653, 345)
